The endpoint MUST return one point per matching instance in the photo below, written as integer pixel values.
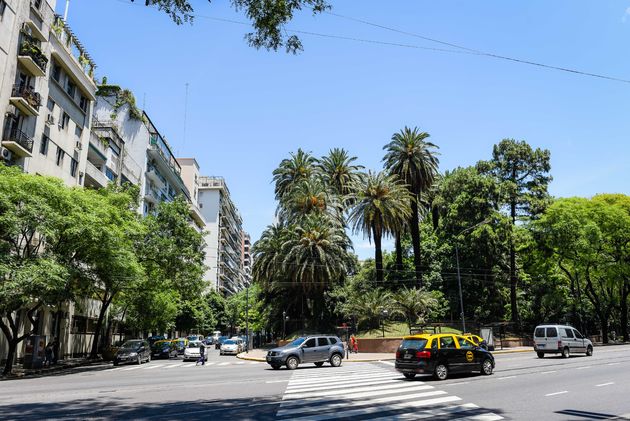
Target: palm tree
(414, 304)
(309, 196)
(382, 206)
(267, 255)
(300, 166)
(414, 160)
(338, 172)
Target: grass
(396, 330)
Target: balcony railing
(15, 135)
(29, 95)
(30, 48)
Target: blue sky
(247, 109)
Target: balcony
(156, 178)
(26, 99)
(17, 142)
(32, 58)
(35, 31)
(197, 216)
(94, 177)
(152, 196)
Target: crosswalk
(368, 391)
(155, 365)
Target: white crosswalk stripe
(370, 392)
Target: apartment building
(224, 236)
(47, 91)
(246, 258)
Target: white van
(560, 339)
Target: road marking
(223, 363)
(548, 372)
(613, 363)
(507, 377)
(557, 393)
(584, 368)
(276, 381)
(604, 384)
(456, 384)
(132, 368)
(240, 363)
(388, 363)
(341, 385)
(189, 365)
(327, 380)
(173, 366)
(254, 362)
(151, 367)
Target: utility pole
(247, 319)
(65, 13)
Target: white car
(231, 346)
(193, 351)
(560, 339)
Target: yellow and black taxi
(441, 355)
(477, 340)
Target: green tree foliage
(269, 18)
(415, 161)
(340, 174)
(414, 305)
(523, 174)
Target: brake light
(423, 354)
(397, 354)
(559, 344)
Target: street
(523, 387)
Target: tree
(291, 171)
(414, 304)
(382, 206)
(415, 161)
(340, 174)
(524, 177)
(268, 18)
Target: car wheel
(275, 366)
(335, 360)
(566, 353)
(409, 375)
(139, 360)
(319, 364)
(589, 351)
(540, 354)
(440, 372)
(486, 367)
(292, 363)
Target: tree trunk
(8, 365)
(378, 255)
(107, 299)
(625, 291)
(604, 325)
(513, 278)
(11, 334)
(399, 253)
(415, 239)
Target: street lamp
(459, 278)
(247, 319)
(284, 324)
(384, 313)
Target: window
(566, 333)
(552, 332)
(310, 343)
(114, 148)
(78, 131)
(578, 334)
(56, 73)
(332, 340)
(413, 343)
(447, 342)
(71, 88)
(540, 332)
(465, 343)
(322, 342)
(79, 324)
(60, 154)
(43, 145)
(64, 121)
(50, 105)
(110, 174)
(83, 103)
(73, 167)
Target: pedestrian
(202, 355)
(48, 354)
(354, 344)
(55, 348)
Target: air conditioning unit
(78, 145)
(50, 119)
(6, 154)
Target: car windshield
(413, 343)
(132, 344)
(229, 342)
(297, 342)
(194, 344)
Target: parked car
(441, 355)
(219, 341)
(110, 352)
(478, 340)
(560, 339)
(133, 351)
(231, 346)
(164, 349)
(316, 349)
(193, 350)
(155, 338)
(195, 338)
(180, 345)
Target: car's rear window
(413, 343)
(552, 332)
(540, 332)
(332, 340)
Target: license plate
(156, 354)
(541, 345)
(408, 356)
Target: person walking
(48, 354)
(354, 344)
(55, 349)
(202, 354)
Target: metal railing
(29, 94)
(30, 48)
(13, 134)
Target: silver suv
(316, 349)
(560, 339)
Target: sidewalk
(65, 364)
(259, 355)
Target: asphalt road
(522, 388)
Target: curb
(511, 351)
(44, 372)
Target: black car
(134, 351)
(164, 349)
(441, 355)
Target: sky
(247, 109)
